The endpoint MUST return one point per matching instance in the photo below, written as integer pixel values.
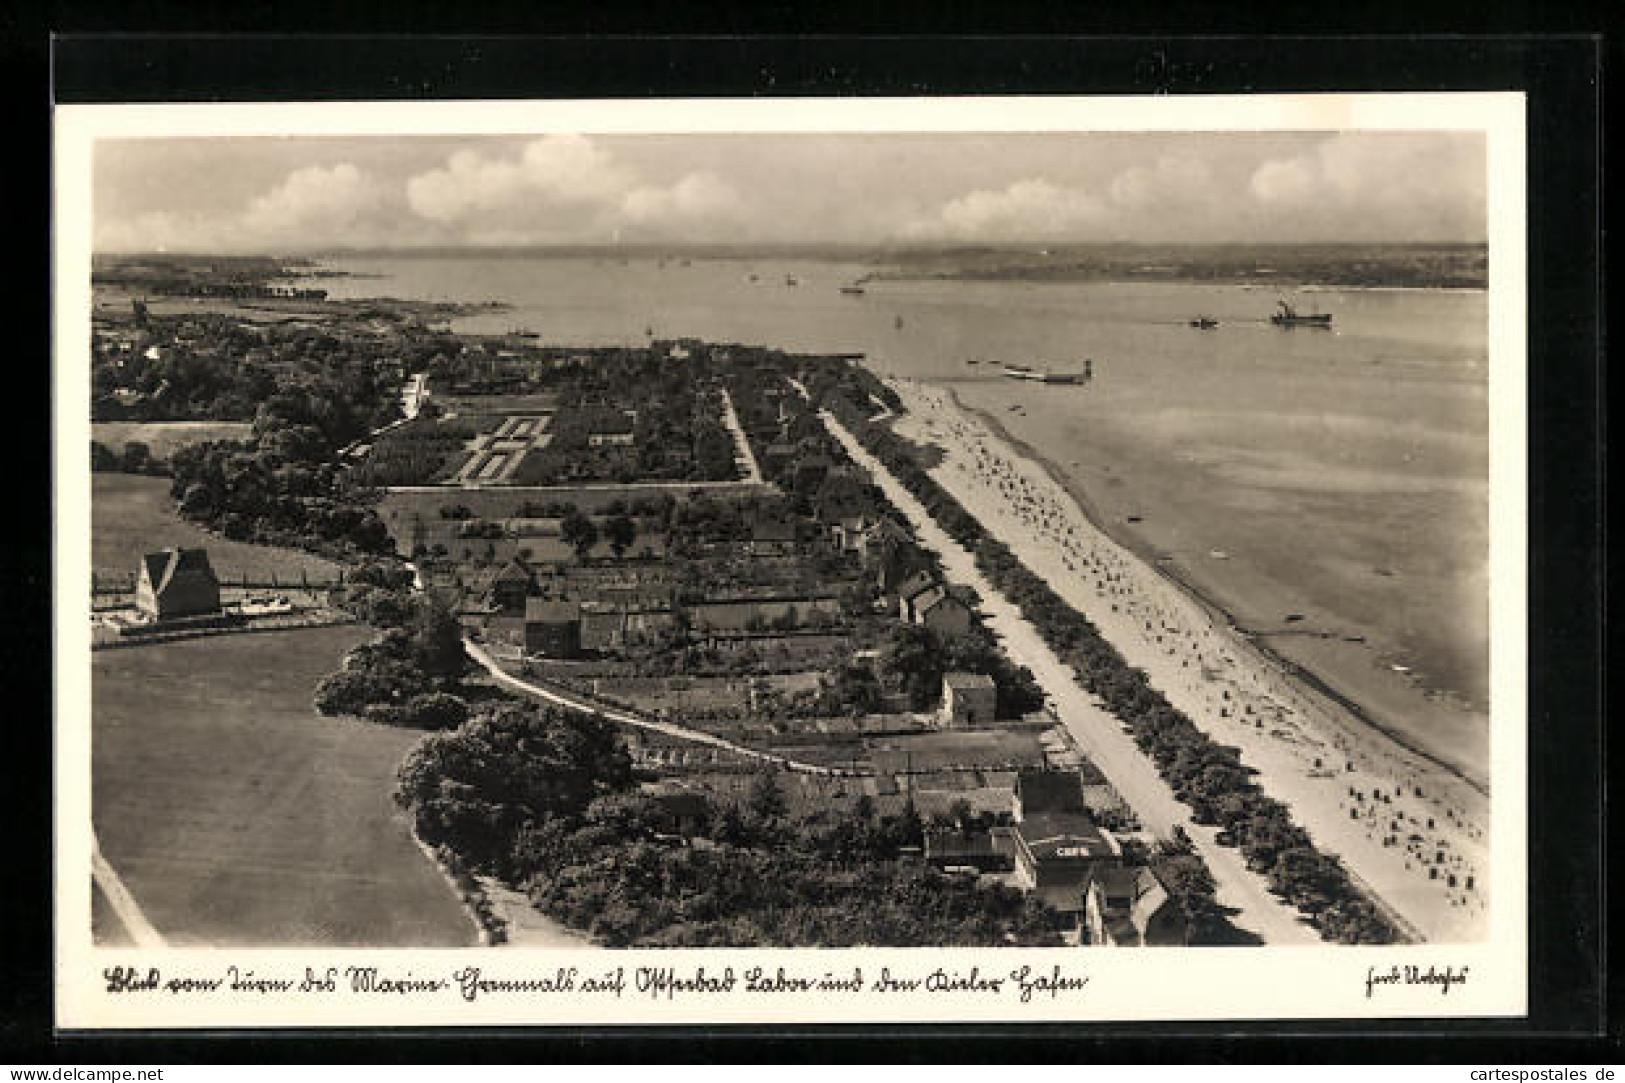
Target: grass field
(132, 514)
(163, 437)
(237, 816)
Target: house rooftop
(1050, 791)
(1064, 836)
(936, 597)
(165, 567)
(551, 611)
(514, 571)
(962, 682)
(918, 583)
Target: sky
(276, 195)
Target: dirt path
(107, 881)
(627, 718)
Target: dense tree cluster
(282, 486)
(1206, 775)
(539, 798)
(512, 767)
(213, 367)
(410, 676)
(913, 659)
(136, 457)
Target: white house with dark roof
(1130, 907)
(968, 699)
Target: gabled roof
(918, 583)
(514, 571)
(936, 596)
(551, 611)
(961, 682)
(172, 566)
(1140, 885)
(1117, 882)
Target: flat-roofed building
(1057, 852)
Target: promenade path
(1245, 894)
(628, 718)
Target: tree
(438, 641)
(621, 532)
(350, 692)
(477, 787)
(102, 458)
(580, 533)
(198, 503)
(914, 658)
(137, 457)
(437, 711)
(766, 800)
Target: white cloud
(698, 195)
(580, 189)
(1173, 182)
(552, 171)
(1380, 186)
(1292, 181)
(1032, 209)
(314, 201)
(567, 188)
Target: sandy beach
(1413, 829)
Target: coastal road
(1101, 735)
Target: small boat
(790, 280)
(523, 332)
(1027, 372)
(852, 291)
(1291, 317)
(1204, 323)
(898, 323)
(973, 360)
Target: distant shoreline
(1177, 576)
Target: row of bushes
(1207, 776)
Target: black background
(1569, 978)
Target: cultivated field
(131, 515)
(236, 815)
(163, 437)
